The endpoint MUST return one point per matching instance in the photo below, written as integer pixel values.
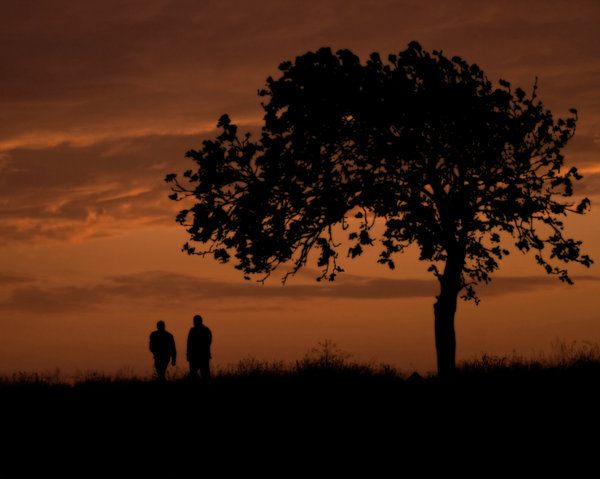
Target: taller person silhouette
(198, 349)
(162, 346)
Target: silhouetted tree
(424, 145)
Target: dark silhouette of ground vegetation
(319, 410)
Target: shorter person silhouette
(198, 349)
(162, 346)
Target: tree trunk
(445, 338)
(444, 312)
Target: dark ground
(330, 420)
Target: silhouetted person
(162, 346)
(198, 349)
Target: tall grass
(327, 361)
(563, 357)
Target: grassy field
(324, 405)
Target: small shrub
(326, 356)
(255, 367)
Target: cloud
(101, 67)
(589, 186)
(68, 192)
(97, 68)
(583, 151)
(104, 98)
(168, 290)
(502, 285)
(9, 278)
(71, 192)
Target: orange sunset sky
(100, 99)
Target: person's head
(160, 325)
(197, 320)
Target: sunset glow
(100, 100)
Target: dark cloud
(52, 300)
(590, 185)
(522, 284)
(104, 68)
(583, 150)
(10, 278)
(161, 289)
(103, 97)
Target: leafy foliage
(423, 143)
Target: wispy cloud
(10, 278)
(69, 192)
(161, 289)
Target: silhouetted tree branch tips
(424, 145)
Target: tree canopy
(423, 143)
